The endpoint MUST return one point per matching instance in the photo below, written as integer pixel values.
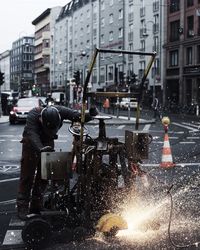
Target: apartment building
(44, 26)
(83, 25)
(182, 52)
(21, 64)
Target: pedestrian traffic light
(1, 78)
(77, 77)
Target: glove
(93, 111)
(47, 149)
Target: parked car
(125, 102)
(20, 111)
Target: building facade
(84, 25)
(182, 50)
(21, 64)
(5, 68)
(44, 26)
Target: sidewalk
(4, 119)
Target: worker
(39, 133)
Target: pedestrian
(156, 108)
(49, 100)
(106, 105)
(39, 133)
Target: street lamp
(64, 80)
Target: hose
(196, 244)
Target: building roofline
(42, 16)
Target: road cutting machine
(87, 183)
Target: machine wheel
(112, 233)
(79, 233)
(36, 232)
(64, 235)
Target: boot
(22, 209)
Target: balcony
(191, 70)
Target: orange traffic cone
(167, 161)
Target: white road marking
(183, 126)
(190, 124)
(13, 201)
(187, 142)
(9, 180)
(13, 237)
(147, 127)
(192, 138)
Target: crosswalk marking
(187, 142)
(191, 124)
(13, 237)
(184, 126)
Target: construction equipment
(76, 205)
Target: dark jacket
(38, 135)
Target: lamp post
(145, 35)
(63, 79)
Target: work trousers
(31, 186)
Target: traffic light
(133, 78)
(77, 77)
(1, 78)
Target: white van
(125, 102)
(59, 97)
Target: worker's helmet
(50, 118)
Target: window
(102, 38)
(110, 35)
(130, 57)
(174, 5)
(102, 22)
(111, 18)
(120, 13)
(102, 74)
(88, 28)
(174, 27)
(130, 13)
(110, 73)
(120, 32)
(102, 5)
(88, 13)
(155, 5)
(173, 58)
(142, 45)
(130, 32)
(190, 3)
(190, 26)
(189, 55)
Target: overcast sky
(16, 18)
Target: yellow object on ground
(109, 221)
(165, 120)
